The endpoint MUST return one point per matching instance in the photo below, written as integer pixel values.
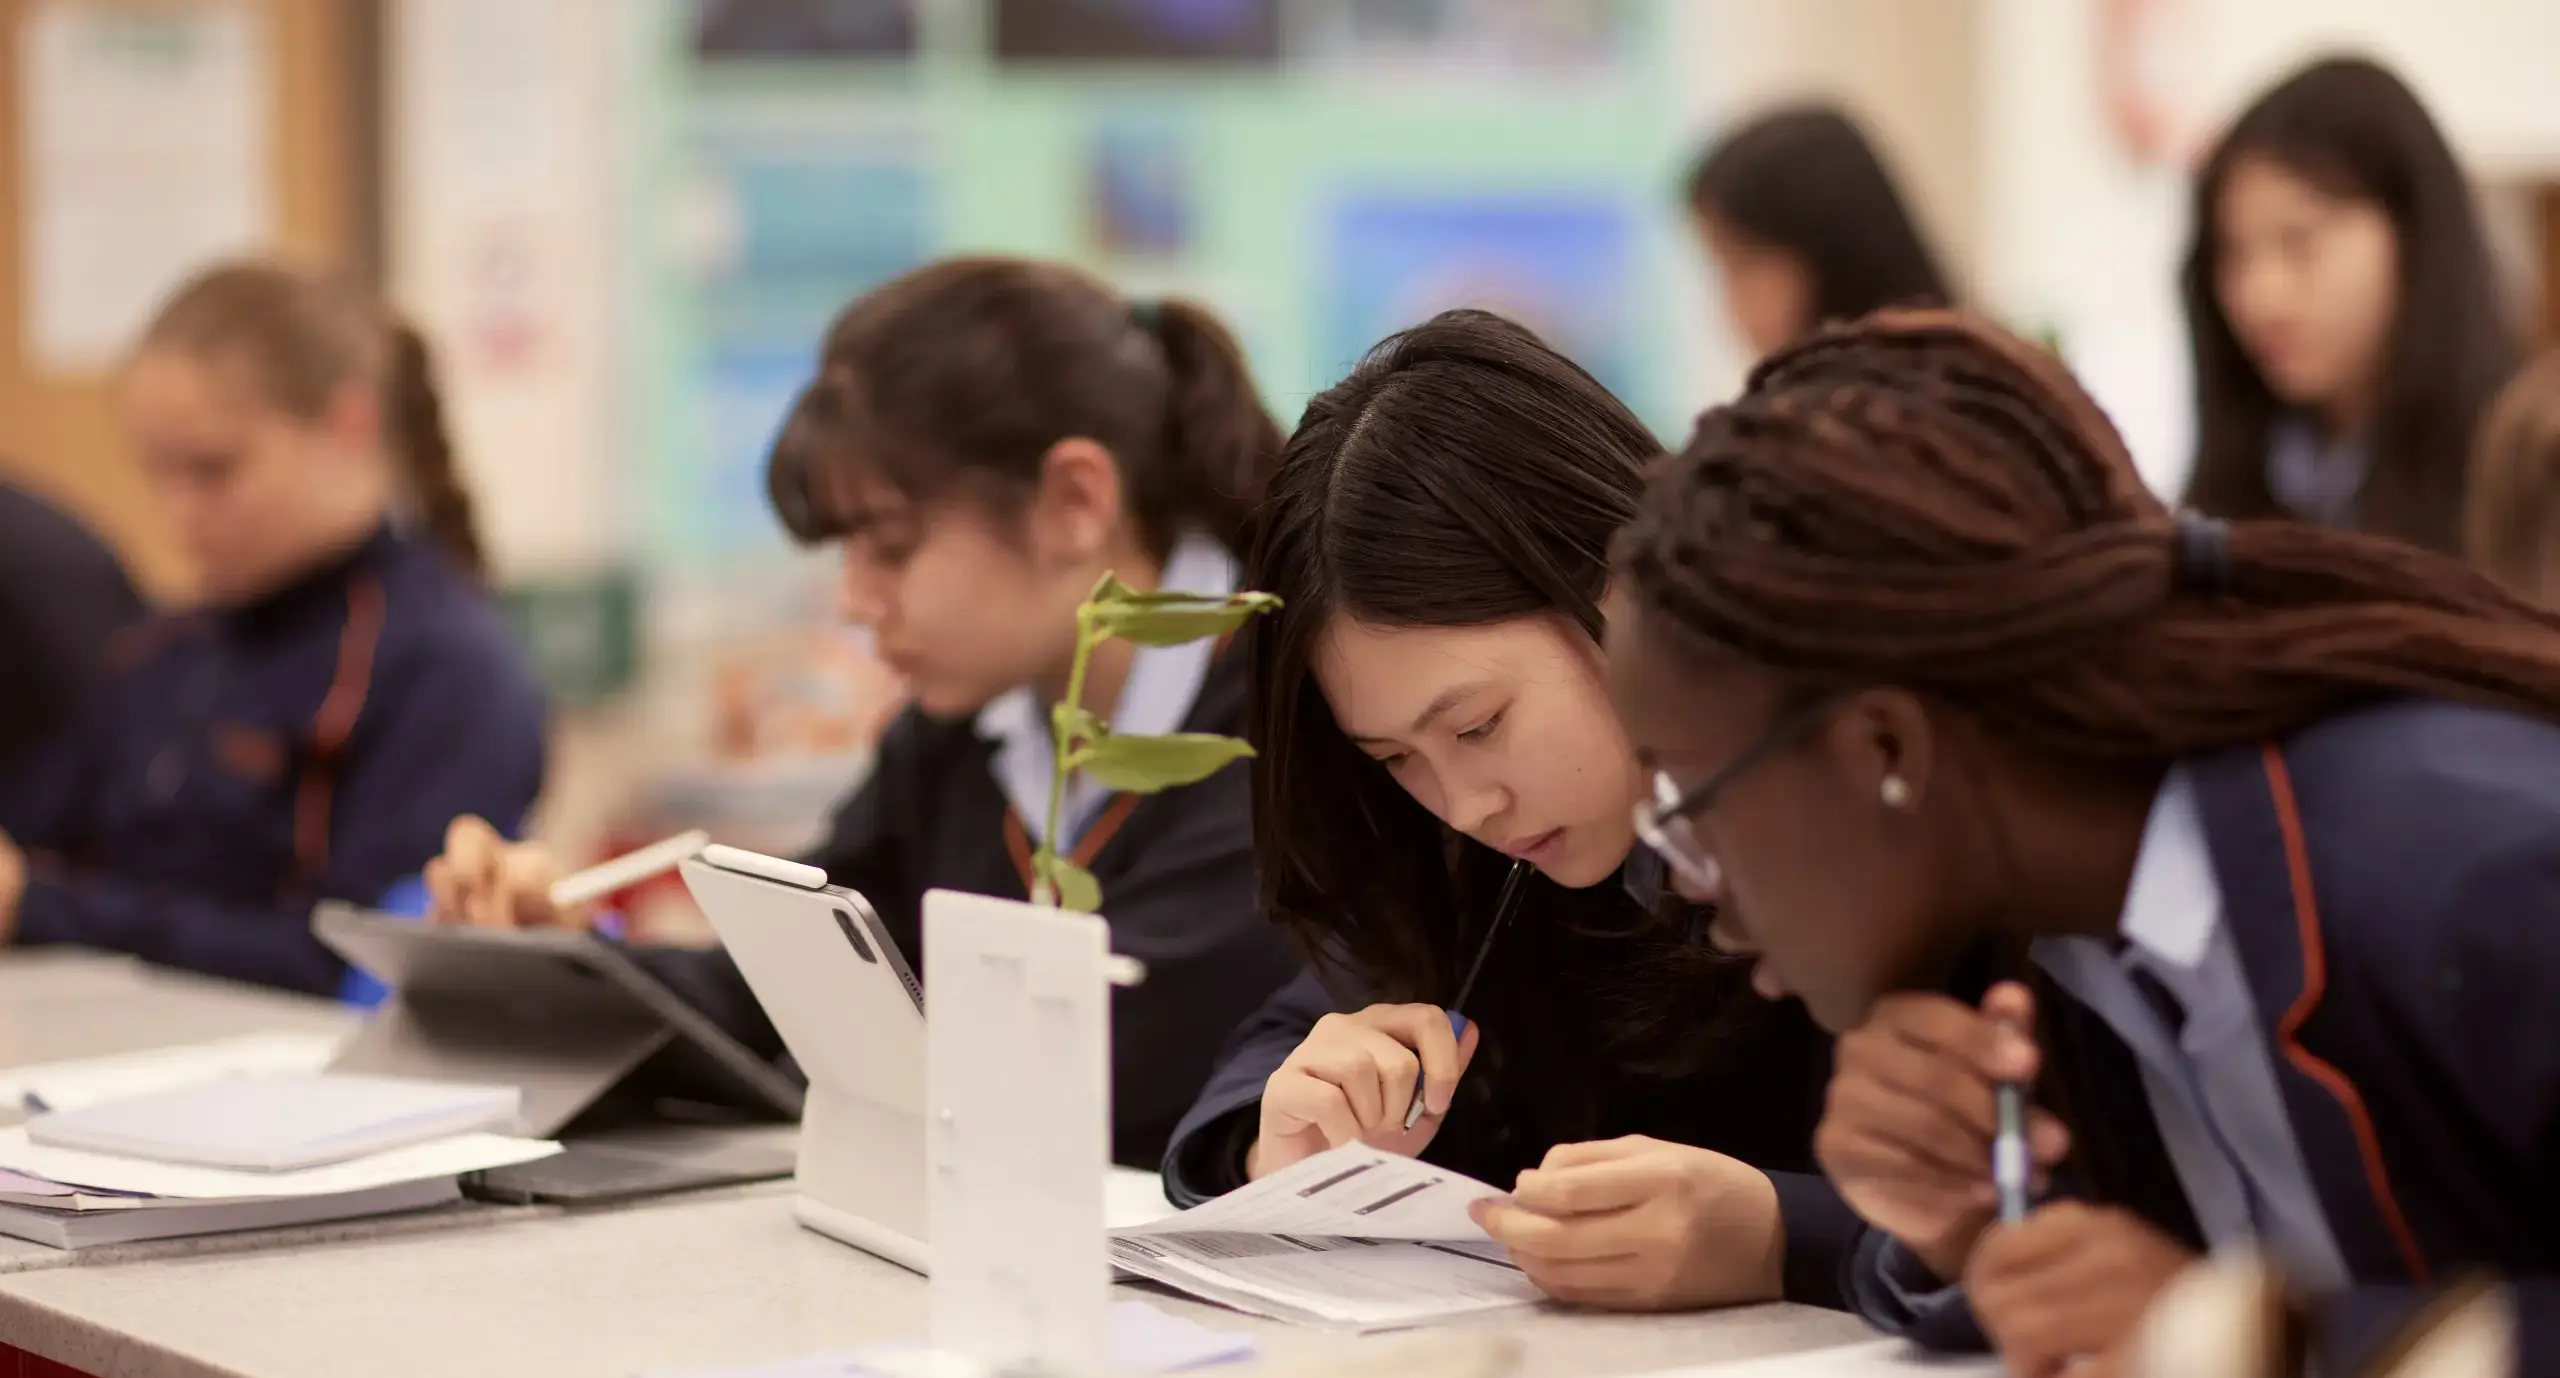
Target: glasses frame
(1662, 822)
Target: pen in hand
(1503, 905)
(2009, 1171)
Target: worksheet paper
(107, 1175)
(1356, 1238)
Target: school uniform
(1757, 1099)
(242, 764)
(2329, 1024)
(62, 595)
(959, 805)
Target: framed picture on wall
(729, 30)
(1216, 32)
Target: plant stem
(1046, 890)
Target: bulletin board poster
(784, 230)
(1562, 265)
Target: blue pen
(2009, 1171)
(1503, 905)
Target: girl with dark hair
(984, 439)
(2346, 317)
(1805, 226)
(347, 685)
(1431, 718)
(2264, 817)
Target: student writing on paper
(1431, 712)
(343, 689)
(2347, 320)
(984, 439)
(2255, 827)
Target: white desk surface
(706, 1281)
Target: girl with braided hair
(343, 688)
(2252, 832)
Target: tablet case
(562, 1014)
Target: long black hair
(1807, 179)
(2351, 128)
(1464, 474)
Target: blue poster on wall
(792, 231)
(1563, 265)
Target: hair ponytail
(303, 336)
(962, 375)
(1221, 443)
(413, 426)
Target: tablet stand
(1018, 1090)
(564, 1065)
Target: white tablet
(847, 1004)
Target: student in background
(62, 595)
(2345, 315)
(1938, 694)
(2511, 518)
(1804, 226)
(985, 438)
(347, 685)
(1431, 713)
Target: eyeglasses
(1662, 822)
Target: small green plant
(1135, 765)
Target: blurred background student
(346, 686)
(63, 594)
(2346, 317)
(2511, 517)
(1805, 225)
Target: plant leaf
(1147, 765)
(1076, 887)
(1172, 619)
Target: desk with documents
(702, 1282)
(715, 1278)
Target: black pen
(1503, 905)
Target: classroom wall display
(1227, 32)
(1562, 265)
(1139, 187)
(754, 29)
(1468, 39)
(786, 222)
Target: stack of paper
(97, 1080)
(73, 1199)
(1357, 1239)
(280, 1123)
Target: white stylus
(626, 870)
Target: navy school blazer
(2391, 877)
(239, 766)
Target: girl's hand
(1907, 1127)
(1640, 1225)
(2069, 1286)
(1351, 1081)
(488, 882)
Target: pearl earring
(1896, 794)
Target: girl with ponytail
(985, 437)
(2263, 817)
(342, 686)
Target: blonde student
(2511, 517)
(346, 684)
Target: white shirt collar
(1164, 682)
(2174, 903)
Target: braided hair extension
(1919, 498)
